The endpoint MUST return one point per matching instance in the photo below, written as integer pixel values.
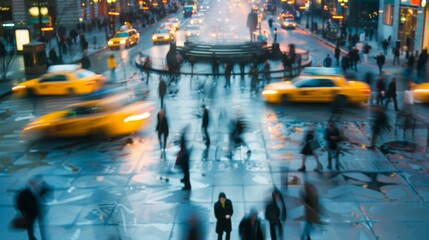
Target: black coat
(162, 124)
(222, 223)
(272, 212)
(333, 136)
(391, 90)
(249, 231)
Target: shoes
(186, 188)
(301, 169)
(318, 169)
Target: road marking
(31, 116)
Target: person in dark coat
(410, 63)
(215, 65)
(29, 203)
(310, 199)
(381, 88)
(205, 125)
(396, 53)
(250, 227)
(162, 129)
(380, 59)
(162, 90)
(345, 62)
(223, 211)
(354, 58)
(308, 150)
(337, 54)
(184, 155)
(391, 94)
(53, 58)
(327, 62)
(253, 73)
(228, 71)
(333, 137)
(385, 45)
(85, 62)
(379, 124)
(275, 213)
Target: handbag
(19, 222)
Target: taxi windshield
(121, 35)
(193, 28)
(162, 31)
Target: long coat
(222, 223)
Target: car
(204, 7)
(192, 32)
(175, 22)
(317, 88)
(169, 26)
(162, 35)
(61, 80)
(288, 24)
(197, 19)
(420, 92)
(127, 37)
(113, 116)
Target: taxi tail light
(137, 117)
(91, 82)
(365, 91)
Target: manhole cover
(398, 146)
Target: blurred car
(192, 32)
(125, 37)
(61, 80)
(197, 19)
(289, 24)
(169, 26)
(420, 92)
(204, 7)
(112, 116)
(175, 22)
(317, 88)
(162, 35)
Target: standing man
(366, 50)
(327, 62)
(385, 45)
(205, 125)
(252, 22)
(253, 73)
(162, 129)
(162, 90)
(223, 211)
(381, 88)
(337, 54)
(380, 59)
(183, 156)
(391, 94)
(267, 72)
(228, 71)
(111, 64)
(396, 55)
(333, 137)
(275, 213)
(310, 200)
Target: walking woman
(308, 150)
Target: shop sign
(411, 2)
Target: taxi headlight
(17, 88)
(122, 41)
(188, 34)
(137, 117)
(166, 37)
(421, 90)
(269, 92)
(110, 42)
(154, 37)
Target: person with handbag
(308, 150)
(30, 204)
(333, 137)
(223, 211)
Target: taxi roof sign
(323, 71)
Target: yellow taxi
(117, 115)
(67, 79)
(162, 35)
(317, 85)
(420, 92)
(175, 22)
(127, 37)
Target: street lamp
(112, 14)
(275, 35)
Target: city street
(121, 189)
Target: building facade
(406, 22)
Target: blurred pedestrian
(385, 45)
(53, 58)
(410, 63)
(270, 23)
(337, 54)
(309, 145)
(366, 50)
(337, 108)
(345, 62)
(327, 62)
(239, 126)
(162, 129)
(422, 62)
(333, 138)
(85, 62)
(253, 73)
(228, 71)
(380, 59)
(396, 53)
(111, 64)
(267, 70)
(381, 90)
(310, 199)
(204, 125)
(250, 227)
(223, 211)
(275, 213)
(146, 67)
(371, 33)
(183, 160)
(215, 66)
(379, 124)
(391, 94)
(162, 90)
(354, 58)
(30, 203)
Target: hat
(222, 195)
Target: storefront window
(407, 27)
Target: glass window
(388, 14)
(84, 111)
(54, 78)
(326, 83)
(121, 35)
(309, 83)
